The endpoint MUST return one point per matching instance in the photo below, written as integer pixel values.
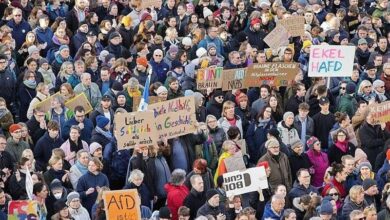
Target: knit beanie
(286, 115)
(271, 142)
(312, 140)
(133, 83)
(200, 52)
(360, 154)
(186, 41)
(71, 196)
(117, 86)
(273, 132)
(326, 208)
(93, 147)
(63, 47)
(367, 183)
(43, 61)
(114, 35)
(142, 61)
(306, 43)
(255, 21)
(211, 45)
(102, 121)
(207, 12)
(161, 89)
(55, 184)
(173, 49)
(210, 193)
(350, 88)
(295, 144)
(32, 49)
(364, 164)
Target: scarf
(3, 112)
(75, 146)
(223, 156)
(32, 84)
(343, 146)
(263, 122)
(83, 169)
(46, 74)
(134, 94)
(106, 134)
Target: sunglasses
(18, 15)
(333, 194)
(220, 97)
(343, 88)
(363, 218)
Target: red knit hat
(263, 164)
(255, 21)
(142, 61)
(14, 127)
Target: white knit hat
(186, 41)
(200, 52)
(206, 12)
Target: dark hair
(297, 86)
(261, 113)
(338, 132)
(321, 89)
(299, 172)
(79, 108)
(23, 161)
(5, 138)
(220, 181)
(304, 106)
(336, 168)
(340, 116)
(267, 87)
(53, 125)
(38, 187)
(233, 132)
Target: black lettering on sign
(247, 179)
(124, 202)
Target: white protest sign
(331, 60)
(250, 180)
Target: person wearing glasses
(79, 119)
(19, 27)
(16, 146)
(214, 106)
(159, 67)
(379, 89)
(319, 160)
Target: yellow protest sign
(122, 204)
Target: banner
(210, 77)
(152, 100)
(295, 25)
(380, 111)
(79, 99)
(22, 209)
(278, 37)
(273, 74)
(174, 118)
(233, 79)
(250, 180)
(122, 204)
(149, 3)
(135, 128)
(45, 104)
(331, 60)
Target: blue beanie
(63, 47)
(102, 121)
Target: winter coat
(8, 86)
(384, 214)
(297, 162)
(74, 175)
(381, 176)
(34, 129)
(85, 132)
(52, 174)
(194, 201)
(99, 111)
(6, 161)
(207, 209)
(349, 206)
(93, 94)
(255, 38)
(348, 104)
(16, 149)
(214, 108)
(219, 136)
(292, 104)
(255, 137)
(143, 192)
(17, 189)
(281, 172)
(127, 36)
(288, 135)
(90, 180)
(299, 190)
(320, 164)
(44, 36)
(175, 198)
(161, 69)
(373, 140)
(218, 43)
(67, 150)
(270, 214)
(207, 151)
(335, 153)
(19, 31)
(309, 126)
(26, 95)
(225, 124)
(44, 147)
(79, 214)
(77, 40)
(143, 76)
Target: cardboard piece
(242, 144)
(122, 204)
(273, 74)
(174, 118)
(250, 180)
(21, 209)
(210, 77)
(135, 128)
(233, 79)
(235, 162)
(152, 100)
(79, 99)
(295, 25)
(380, 111)
(331, 60)
(149, 3)
(278, 37)
(45, 104)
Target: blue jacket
(44, 36)
(270, 214)
(77, 40)
(86, 133)
(299, 190)
(218, 43)
(90, 180)
(255, 137)
(161, 69)
(74, 80)
(117, 160)
(59, 12)
(43, 148)
(381, 177)
(19, 31)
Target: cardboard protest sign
(380, 111)
(295, 25)
(174, 118)
(79, 99)
(273, 74)
(149, 3)
(135, 128)
(331, 60)
(22, 209)
(235, 162)
(45, 104)
(152, 100)
(233, 79)
(122, 204)
(278, 37)
(250, 180)
(210, 77)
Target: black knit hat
(210, 193)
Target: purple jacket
(320, 164)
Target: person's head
(273, 146)
(3, 62)
(58, 152)
(370, 213)
(173, 83)
(177, 177)
(57, 102)
(339, 172)
(16, 131)
(333, 193)
(300, 90)
(162, 92)
(297, 147)
(56, 163)
(157, 55)
(277, 203)
(303, 110)
(40, 190)
(218, 96)
(349, 163)
(199, 166)
(289, 214)
(136, 177)
(96, 150)
(79, 113)
(211, 121)
(304, 177)
(341, 136)
(212, 197)
(288, 118)
(324, 104)
(27, 153)
(379, 86)
(233, 133)
(95, 165)
(53, 129)
(74, 133)
(17, 15)
(281, 190)
(183, 213)
(86, 79)
(83, 157)
(73, 200)
(265, 91)
(230, 147)
(197, 183)
(356, 215)
(212, 31)
(228, 109)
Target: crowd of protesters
(326, 157)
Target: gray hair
(287, 213)
(355, 213)
(276, 198)
(136, 174)
(194, 177)
(84, 75)
(81, 152)
(177, 177)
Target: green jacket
(94, 95)
(68, 114)
(208, 151)
(348, 104)
(16, 149)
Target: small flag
(29, 185)
(143, 105)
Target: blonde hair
(363, 84)
(227, 144)
(97, 162)
(355, 191)
(54, 159)
(227, 105)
